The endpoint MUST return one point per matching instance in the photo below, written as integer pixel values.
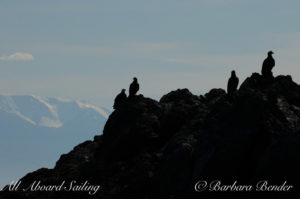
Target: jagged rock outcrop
(153, 149)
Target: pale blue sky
(91, 49)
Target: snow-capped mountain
(47, 112)
(32, 126)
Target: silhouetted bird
(134, 87)
(268, 65)
(233, 83)
(120, 99)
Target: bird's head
(135, 79)
(270, 53)
(123, 90)
(233, 73)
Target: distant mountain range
(35, 130)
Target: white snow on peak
(47, 121)
(24, 117)
(89, 106)
(62, 99)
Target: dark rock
(178, 108)
(180, 96)
(214, 95)
(153, 149)
(131, 128)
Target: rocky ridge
(152, 149)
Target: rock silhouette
(160, 149)
(120, 99)
(268, 65)
(233, 83)
(134, 87)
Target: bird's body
(134, 87)
(233, 83)
(268, 65)
(120, 99)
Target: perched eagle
(268, 65)
(233, 83)
(134, 87)
(120, 99)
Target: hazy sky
(91, 49)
